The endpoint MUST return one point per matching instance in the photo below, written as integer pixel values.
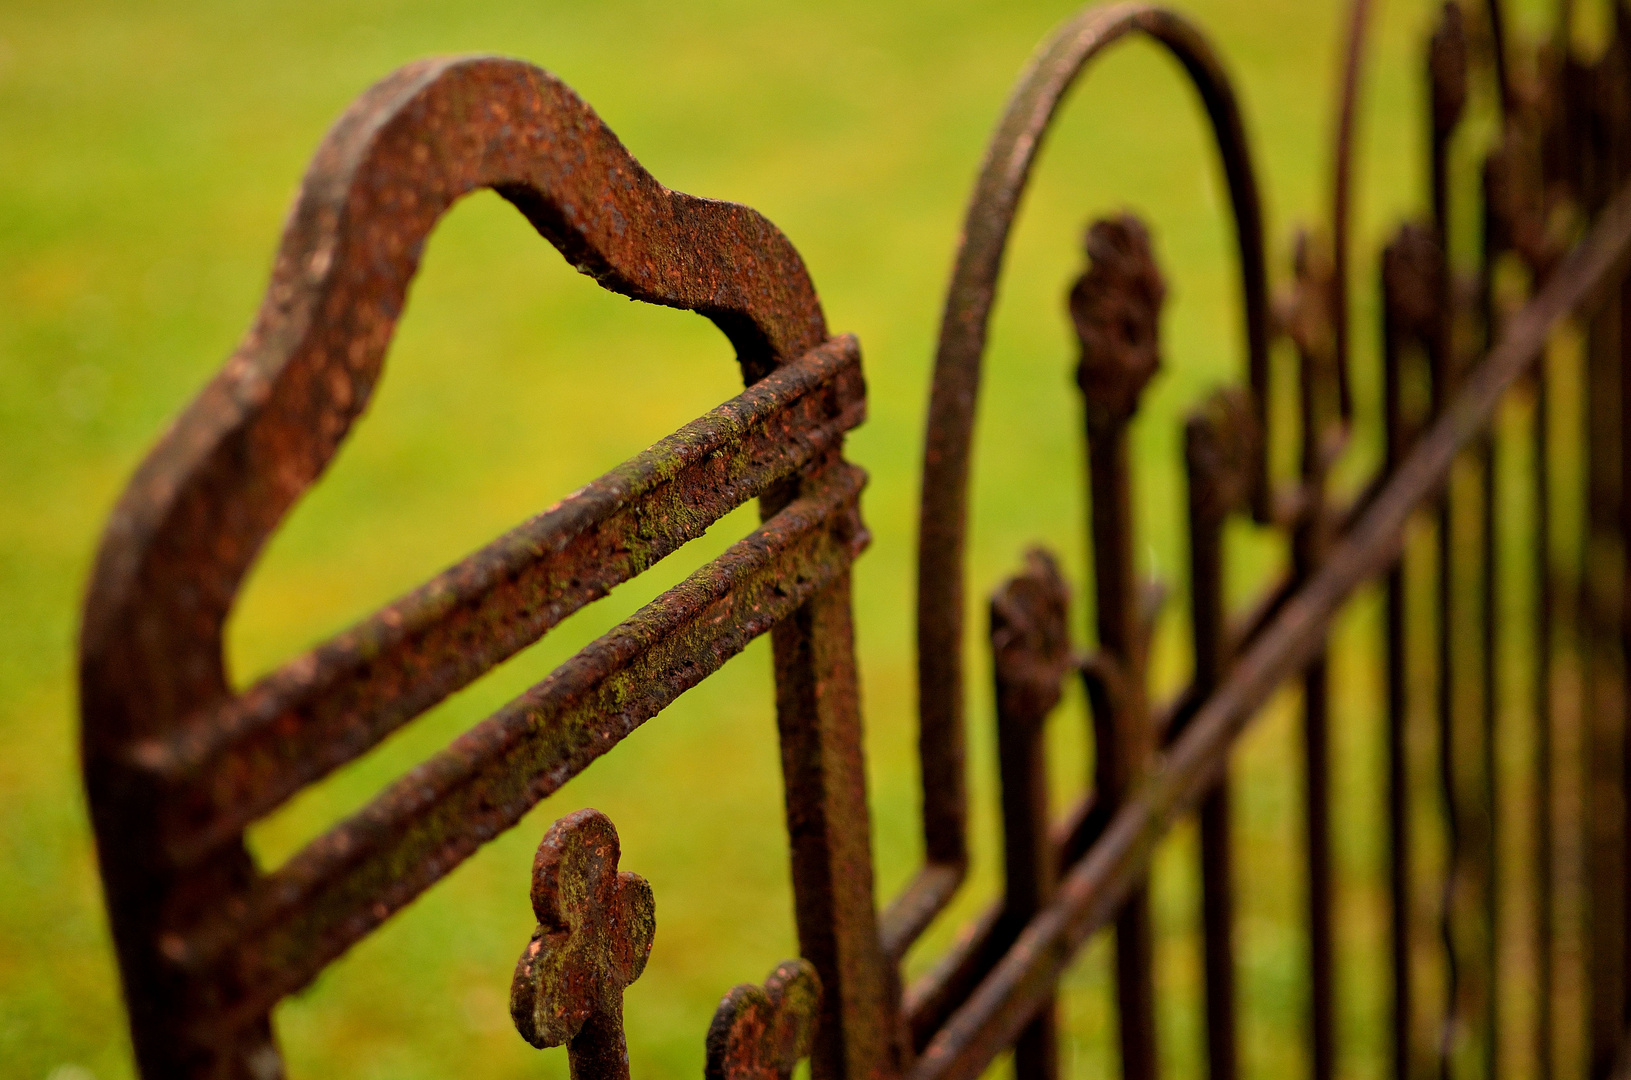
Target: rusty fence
(1487, 340)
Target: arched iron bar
(1342, 196)
(943, 514)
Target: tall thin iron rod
(1447, 74)
(1308, 548)
(1030, 645)
(1411, 267)
(1115, 308)
(1486, 459)
(1544, 856)
(1220, 440)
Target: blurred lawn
(150, 153)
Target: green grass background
(148, 153)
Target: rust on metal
(595, 928)
(1031, 658)
(1115, 307)
(1310, 322)
(178, 761)
(1412, 265)
(335, 702)
(1342, 183)
(763, 1032)
(1221, 440)
(943, 514)
(1094, 889)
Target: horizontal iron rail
(235, 764)
(1092, 891)
(342, 885)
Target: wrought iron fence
(178, 762)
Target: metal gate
(178, 762)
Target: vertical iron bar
(1030, 646)
(829, 833)
(1311, 329)
(1604, 586)
(1412, 266)
(1220, 442)
(1604, 876)
(1447, 71)
(1397, 746)
(1515, 216)
(1596, 110)
(1449, 744)
(1543, 724)
(1615, 90)
(1115, 307)
(1489, 826)
(1488, 846)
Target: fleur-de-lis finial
(595, 927)
(761, 1032)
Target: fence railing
(1486, 339)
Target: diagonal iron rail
(1092, 891)
(239, 761)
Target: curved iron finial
(943, 512)
(595, 928)
(762, 1032)
(1115, 307)
(1220, 438)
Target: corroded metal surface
(178, 762)
(595, 928)
(1093, 890)
(1115, 307)
(943, 514)
(330, 705)
(1031, 658)
(763, 1032)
